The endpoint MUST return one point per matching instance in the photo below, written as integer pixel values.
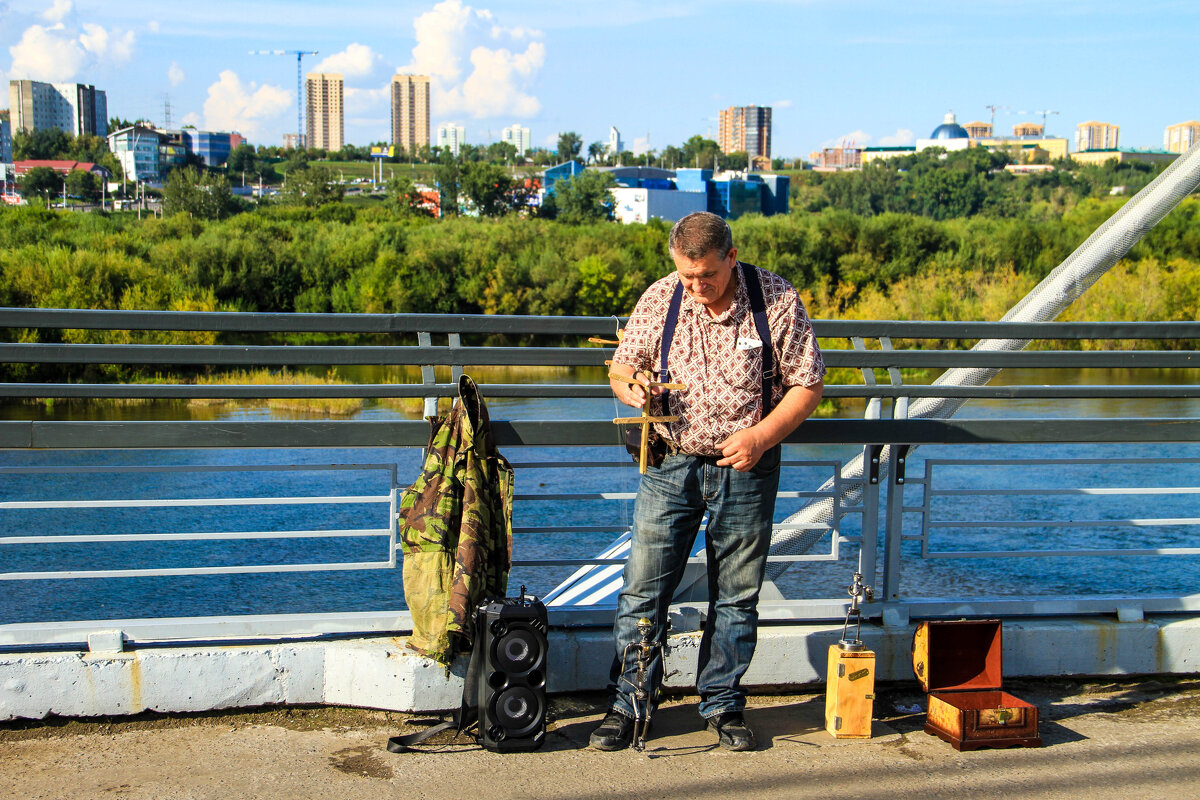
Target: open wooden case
(959, 664)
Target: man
(723, 458)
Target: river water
(344, 590)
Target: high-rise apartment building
(451, 137)
(745, 128)
(1178, 138)
(1092, 135)
(410, 111)
(517, 136)
(325, 121)
(76, 108)
(615, 146)
(5, 140)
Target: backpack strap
(758, 307)
(465, 718)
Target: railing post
(894, 529)
(867, 554)
(424, 339)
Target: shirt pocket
(742, 368)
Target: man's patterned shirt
(723, 379)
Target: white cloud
(235, 106)
(452, 36)
(60, 53)
(902, 137)
(366, 101)
(152, 26)
(356, 61)
(111, 45)
(782, 104)
(57, 11)
(175, 74)
(640, 145)
(855, 139)
(192, 118)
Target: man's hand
(742, 450)
(633, 395)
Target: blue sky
(875, 72)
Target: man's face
(708, 280)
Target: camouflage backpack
(456, 528)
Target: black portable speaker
(511, 688)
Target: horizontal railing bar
(173, 571)
(158, 391)
(401, 433)
(1155, 551)
(121, 468)
(195, 537)
(1036, 606)
(1078, 492)
(1066, 523)
(811, 526)
(587, 562)
(784, 495)
(1025, 462)
(199, 501)
(1014, 392)
(616, 528)
(258, 322)
(401, 355)
(592, 496)
(297, 355)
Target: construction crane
(1044, 115)
(299, 54)
(994, 108)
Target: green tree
(40, 181)
(312, 186)
(84, 185)
(41, 144)
(204, 195)
(569, 145)
(502, 153)
(487, 187)
(448, 176)
(595, 152)
(585, 197)
(700, 152)
(406, 199)
(672, 157)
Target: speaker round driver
(518, 710)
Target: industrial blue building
(643, 193)
(211, 146)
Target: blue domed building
(948, 136)
(949, 129)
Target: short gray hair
(699, 234)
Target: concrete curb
(381, 673)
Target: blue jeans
(670, 503)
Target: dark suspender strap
(758, 307)
(668, 336)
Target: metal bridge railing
(890, 525)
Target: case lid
(958, 656)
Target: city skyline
(882, 76)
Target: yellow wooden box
(960, 665)
(849, 693)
